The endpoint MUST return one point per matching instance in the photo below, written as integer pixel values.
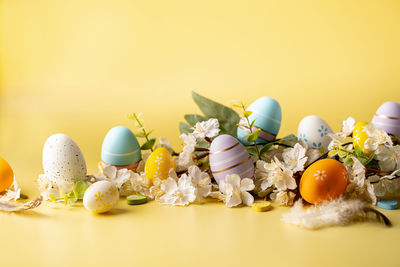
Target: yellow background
(80, 66)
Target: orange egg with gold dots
(324, 180)
(6, 175)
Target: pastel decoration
(120, 147)
(360, 136)
(387, 117)
(229, 156)
(63, 160)
(314, 131)
(267, 114)
(101, 197)
(6, 175)
(159, 164)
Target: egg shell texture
(120, 147)
(314, 131)
(101, 197)
(387, 117)
(229, 156)
(6, 175)
(159, 164)
(63, 160)
(267, 114)
(324, 180)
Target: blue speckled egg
(120, 147)
(267, 114)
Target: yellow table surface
(79, 66)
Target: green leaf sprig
(346, 155)
(149, 143)
(77, 193)
(227, 117)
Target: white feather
(336, 212)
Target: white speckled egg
(314, 131)
(229, 156)
(63, 160)
(101, 197)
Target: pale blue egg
(267, 114)
(120, 147)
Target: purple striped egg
(229, 156)
(387, 117)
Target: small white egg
(101, 197)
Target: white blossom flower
(209, 128)
(118, 177)
(295, 157)
(142, 163)
(155, 190)
(185, 159)
(386, 184)
(164, 142)
(376, 137)
(312, 155)
(284, 198)
(235, 190)
(140, 184)
(12, 193)
(277, 175)
(389, 157)
(201, 180)
(347, 127)
(180, 193)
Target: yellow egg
(360, 136)
(158, 164)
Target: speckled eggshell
(387, 117)
(314, 131)
(229, 156)
(120, 147)
(63, 160)
(267, 114)
(101, 197)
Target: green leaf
(253, 136)
(227, 117)
(140, 135)
(358, 151)
(252, 124)
(247, 113)
(290, 137)
(252, 150)
(80, 189)
(370, 158)
(52, 198)
(149, 144)
(348, 161)
(266, 148)
(192, 119)
(184, 128)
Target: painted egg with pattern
(229, 156)
(6, 175)
(63, 160)
(120, 147)
(324, 180)
(101, 197)
(360, 136)
(158, 164)
(267, 114)
(387, 117)
(314, 131)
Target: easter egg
(158, 164)
(267, 114)
(387, 117)
(229, 156)
(120, 147)
(314, 131)
(101, 197)
(324, 180)
(360, 136)
(6, 175)
(63, 160)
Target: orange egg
(324, 180)
(6, 175)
